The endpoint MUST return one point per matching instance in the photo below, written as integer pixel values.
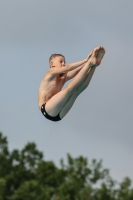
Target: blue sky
(100, 124)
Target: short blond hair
(54, 56)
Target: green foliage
(2, 188)
(125, 191)
(25, 175)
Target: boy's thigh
(57, 102)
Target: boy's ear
(51, 64)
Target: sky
(100, 123)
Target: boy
(55, 103)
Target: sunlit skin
(58, 62)
(52, 84)
(58, 100)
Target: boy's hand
(89, 56)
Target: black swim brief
(56, 118)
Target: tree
(2, 188)
(25, 175)
(18, 167)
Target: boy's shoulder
(48, 74)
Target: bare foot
(96, 56)
(100, 55)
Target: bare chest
(56, 84)
(49, 88)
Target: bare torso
(49, 86)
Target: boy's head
(57, 60)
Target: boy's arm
(73, 73)
(67, 68)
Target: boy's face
(58, 62)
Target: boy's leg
(58, 101)
(74, 96)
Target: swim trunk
(56, 118)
